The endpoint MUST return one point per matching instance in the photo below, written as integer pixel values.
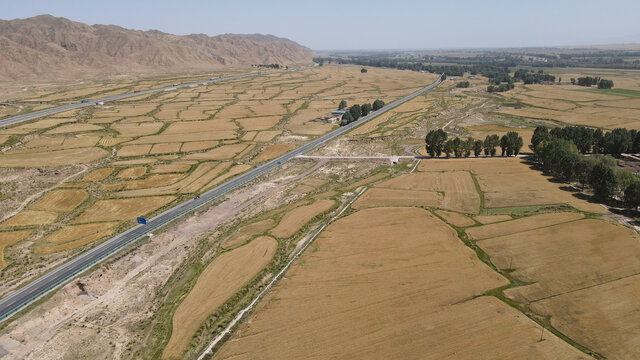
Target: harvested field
(490, 219)
(458, 187)
(188, 127)
(520, 225)
(223, 152)
(8, 238)
(170, 168)
(369, 180)
(98, 174)
(413, 296)
(455, 218)
(108, 141)
(123, 209)
(132, 172)
(30, 218)
(295, 219)
(166, 148)
(218, 282)
(198, 178)
(246, 232)
(604, 316)
(61, 200)
(272, 152)
(501, 181)
(187, 137)
(137, 129)
(73, 128)
(153, 181)
(266, 136)
(249, 135)
(45, 141)
(198, 145)
(235, 170)
(52, 158)
(75, 236)
(259, 123)
(134, 150)
(565, 257)
(36, 125)
(380, 197)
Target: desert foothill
(296, 181)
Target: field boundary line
(229, 329)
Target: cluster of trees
(533, 77)
(437, 143)
(357, 111)
(588, 81)
(462, 84)
(562, 159)
(500, 88)
(588, 140)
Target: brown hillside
(50, 47)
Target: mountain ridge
(51, 47)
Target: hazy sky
(371, 24)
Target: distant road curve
(37, 114)
(18, 299)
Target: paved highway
(16, 300)
(37, 114)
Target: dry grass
(295, 219)
(188, 127)
(123, 209)
(108, 141)
(272, 152)
(132, 172)
(218, 282)
(30, 218)
(8, 238)
(36, 125)
(243, 234)
(520, 225)
(455, 218)
(61, 200)
(187, 137)
(360, 287)
(98, 174)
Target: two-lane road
(54, 278)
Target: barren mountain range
(51, 47)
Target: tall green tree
(490, 144)
(342, 105)
(468, 146)
(356, 112)
(448, 147)
(434, 142)
(366, 109)
(378, 104)
(457, 146)
(346, 119)
(477, 147)
(632, 195)
(603, 181)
